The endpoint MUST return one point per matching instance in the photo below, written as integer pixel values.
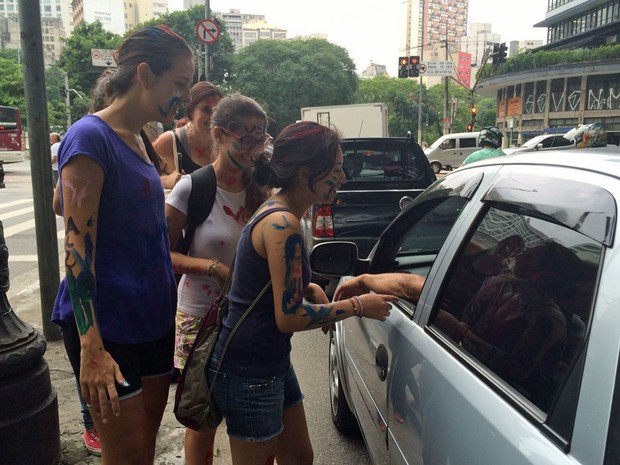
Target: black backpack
(199, 205)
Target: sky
(373, 31)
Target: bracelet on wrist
(360, 302)
(353, 304)
(213, 266)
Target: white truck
(356, 120)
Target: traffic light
(470, 127)
(414, 61)
(474, 114)
(495, 54)
(63, 91)
(501, 58)
(403, 63)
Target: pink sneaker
(92, 442)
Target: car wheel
(343, 418)
(436, 167)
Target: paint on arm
(80, 278)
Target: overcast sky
(374, 30)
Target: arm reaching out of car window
(403, 285)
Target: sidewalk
(26, 305)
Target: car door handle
(381, 359)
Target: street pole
(420, 80)
(446, 127)
(207, 56)
(40, 161)
(67, 100)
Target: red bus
(11, 140)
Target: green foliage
(12, 85)
(221, 52)
(287, 75)
(542, 59)
(56, 109)
(76, 58)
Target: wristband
(213, 266)
(353, 304)
(361, 304)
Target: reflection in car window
(519, 298)
(380, 160)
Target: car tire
(436, 167)
(343, 418)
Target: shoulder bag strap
(184, 140)
(234, 330)
(174, 150)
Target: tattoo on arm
(82, 289)
(320, 315)
(292, 298)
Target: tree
(76, 59)
(287, 75)
(221, 52)
(12, 84)
(56, 107)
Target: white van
(449, 151)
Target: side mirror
(334, 259)
(539, 146)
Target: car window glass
(518, 300)
(372, 161)
(468, 142)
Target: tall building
(140, 11)
(110, 13)
(479, 38)
(519, 46)
(561, 93)
(260, 30)
(234, 21)
(431, 22)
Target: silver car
(511, 354)
(542, 142)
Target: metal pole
(67, 100)
(420, 80)
(446, 127)
(40, 162)
(207, 55)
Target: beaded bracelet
(213, 266)
(361, 304)
(353, 304)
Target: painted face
(245, 142)
(201, 116)
(327, 187)
(171, 88)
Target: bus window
(11, 147)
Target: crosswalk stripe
(14, 213)
(13, 203)
(20, 227)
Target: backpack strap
(199, 205)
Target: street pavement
(26, 304)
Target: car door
(369, 344)
(511, 398)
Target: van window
(448, 144)
(468, 142)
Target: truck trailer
(356, 120)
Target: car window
(468, 142)
(560, 141)
(379, 160)
(518, 301)
(448, 144)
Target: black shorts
(136, 361)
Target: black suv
(383, 176)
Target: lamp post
(29, 427)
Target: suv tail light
(323, 223)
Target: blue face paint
(172, 102)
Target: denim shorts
(253, 406)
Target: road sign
(103, 57)
(437, 68)
(207, 31)
(422, 68)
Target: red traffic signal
(403, 63)
(470, 127)
(414, 62)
